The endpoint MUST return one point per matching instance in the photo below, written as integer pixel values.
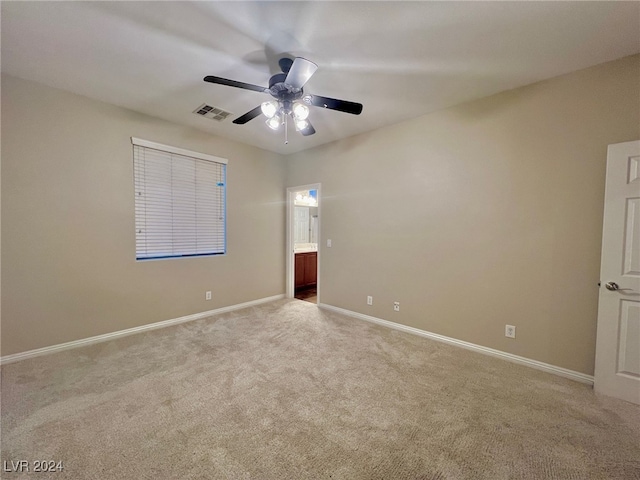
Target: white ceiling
(399, 59)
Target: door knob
(613, 286)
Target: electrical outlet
(207, 295)
(396, 306)
(510, 331)
(369, 300)
(329, 242)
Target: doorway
(303, 235)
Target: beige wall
(68, 238)
(480, 215)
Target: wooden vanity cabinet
(306, 269)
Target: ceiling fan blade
(285, 64)
(309, 130)
(300, 72)
(233, 83)
(250, 115)
(334, 104)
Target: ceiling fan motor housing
(286, 94)
(276, 79)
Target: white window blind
(179, 202)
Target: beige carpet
(288, 391)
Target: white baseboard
(563, 372)
(16, 357)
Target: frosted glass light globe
(269, 109)
(274, 122)
(300, 111)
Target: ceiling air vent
(214, 113)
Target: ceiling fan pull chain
(286, 138)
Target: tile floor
(308, 295)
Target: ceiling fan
(290, 99)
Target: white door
(617, 371)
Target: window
(179, 202)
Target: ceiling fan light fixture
(269, 109)
(300, 111)
(274, 122)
